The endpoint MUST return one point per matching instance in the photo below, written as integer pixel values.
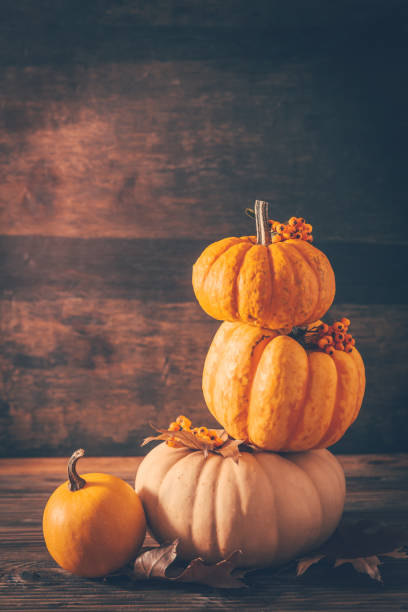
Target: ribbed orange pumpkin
(269, 506)
(277, 286)
(267, 388)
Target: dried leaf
(364, 565)
(364, 538)
(187, 439)
(155, 563)
(360, 543)
(231, 449)
(304, 564)
(219, 575)
(396, 554)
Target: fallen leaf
(396, 554)
(304, 564)
(364, 565)
(186, 439)
(360, 543)
(156, 562)
(364, 538)
(219, 575)
(230, 449)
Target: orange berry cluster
(296, 229)
(182, 423)
(334, 337)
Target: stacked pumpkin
(280, 379)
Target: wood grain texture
(158, 148)
(160, 270)
(30, 580)
(232, 14)
(132, 133)
(94, 372)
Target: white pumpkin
(272, 507)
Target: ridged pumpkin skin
(96, 530)
(267, 388)
(271, 507)
(278, 286)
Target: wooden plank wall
(132, 134)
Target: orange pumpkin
(93, 525)
(277, 286)
(271, 507)
(268, 388)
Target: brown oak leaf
(229, 448)
(360, 543)
(364, 565)
(306, 562)
(156, 562)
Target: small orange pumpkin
(269, 389)
(93, 525)
(278, 286)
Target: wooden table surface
(377, 488)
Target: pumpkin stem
(263, 234)
(75, 481)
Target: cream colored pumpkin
(272, 507)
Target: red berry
(322, 343)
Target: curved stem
(75, 481)
(263, 235)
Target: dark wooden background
(133, 133)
